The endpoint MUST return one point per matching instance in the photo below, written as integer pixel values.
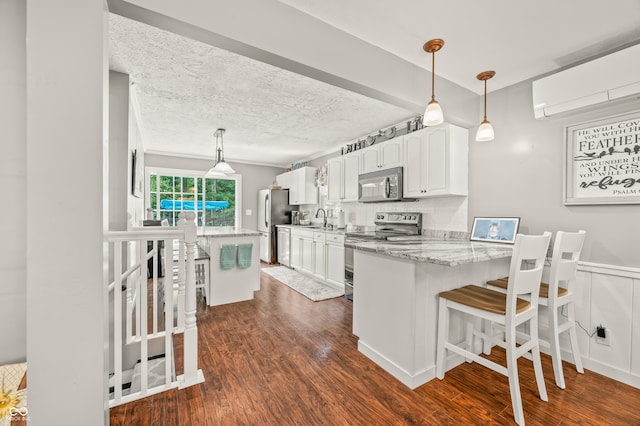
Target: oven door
(379, 186)
(348, 272)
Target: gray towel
(244, 255)
(227, 256)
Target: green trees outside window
(171, 194)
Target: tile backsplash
(446, 213)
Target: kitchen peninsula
(242, 278)
(395, 308)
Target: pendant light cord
(485, 100)
(433, 75)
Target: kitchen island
(234, 284)
(395, 298)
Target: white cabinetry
(343, 178)
(334, 257)
(302, 250)
(318, 253)
(385, 155)
(301, 184)
(436, 162)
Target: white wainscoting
(610, 296)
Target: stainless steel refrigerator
(273, 209)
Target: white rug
(309, 287)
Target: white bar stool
(508, 310)
(557, 294)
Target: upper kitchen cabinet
(385, 155)
(301, 184)
(436, 162)
(343, 178)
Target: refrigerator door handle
(266, 219)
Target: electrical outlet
(603, 336)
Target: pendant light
(433, 114)
(485, 131)
(220, 167)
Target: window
(213, 200)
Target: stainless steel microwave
(380, 186)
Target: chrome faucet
(324, 214)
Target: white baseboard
(410, 380)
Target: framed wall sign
(137, 183)
(602, 161)
(495, 229)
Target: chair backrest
(564, 260)
(523, 278)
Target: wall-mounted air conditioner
(604, 79)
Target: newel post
(182, 222)
(191, 374)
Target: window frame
(198, 174)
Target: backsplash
(443, 214)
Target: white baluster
(191, 374)
(182, 221)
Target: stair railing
(134, 267)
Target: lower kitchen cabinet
(318, 253)
(334, 254)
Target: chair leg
(535, 355)
(554, 343)
(573, 337)
(443, 338)
(470, 339)
(487, 343)
(512, 373)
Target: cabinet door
(335, 263)
(369, 158)
(415, 165)
(335, 187)
(438, 163)
(307, 255)
(350, 172)
(296, 252)
(284, 247)
(390, 153)
(319, 259)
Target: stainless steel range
(389, 225)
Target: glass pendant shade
(485, 132)
(433, 114)
(223, 167)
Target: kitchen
(524, 161)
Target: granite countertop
(440, 252)
(228, 231)
(313, 228)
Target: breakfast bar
(396, 286)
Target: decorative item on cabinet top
(384, 135)
(298, 165)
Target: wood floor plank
(282, 359)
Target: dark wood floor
(282, 359)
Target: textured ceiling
(186, 89)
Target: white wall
(13, 180)
(135, 205)
(67, 146)
(254, 178)
(520, 174)
(119, 153)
